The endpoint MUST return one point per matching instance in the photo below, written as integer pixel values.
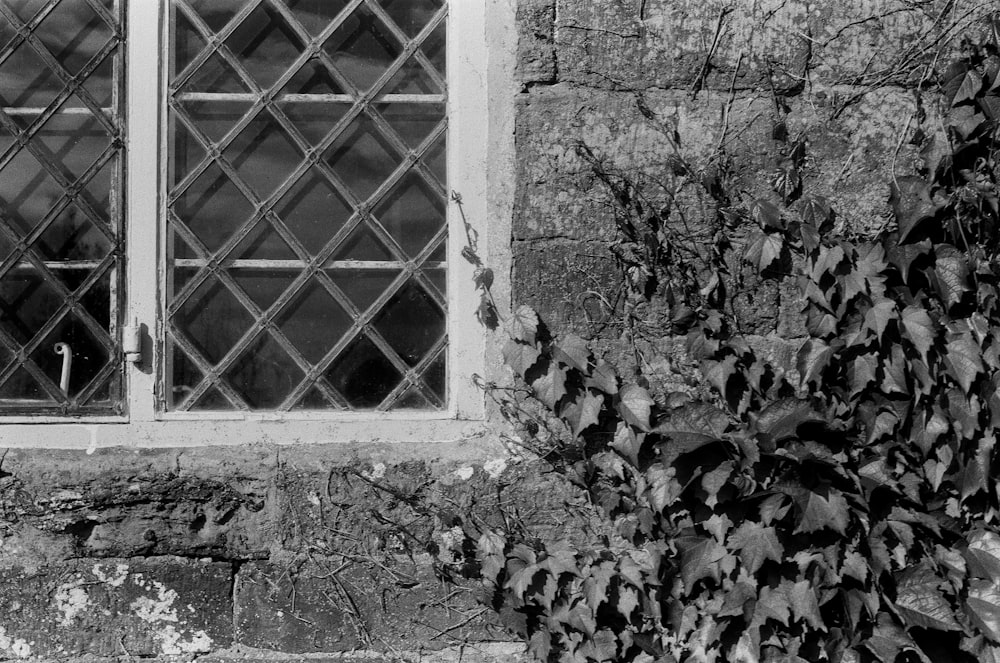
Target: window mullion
(142, 102)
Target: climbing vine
(843, 511)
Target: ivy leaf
(663, 487)
(787, 182)
(773, 603)
(520, 356)
(595, 587)
(763, 250)
(712, 482)
(487, 314)
(524, 324)
(911, 203)
(888, 640)
(894, 372)
(920, 602)
(953, 78)
(691, 428)
(627, 443)
(700, 558)
(982, 649)
(737, 598)
(573, 351)
(756, 545)
(551, 387)
(971, 84)
(861, 372)
(483, 278)
(962, 358)
(919, 329)
(603, 378)
(902, 256)
(975, 475)
(815, 211)
(628, 601)
(951, 274)
(810, 236)
(983, 555)
(781, 419)
(813, 357)
(584, 412)
(827, 263)
(717, 373)
(878, 317)
(766, 214)
(635, 404)
(983, 606)
(819, 512)
(802, 597)
(540, 644)
(520, 581)
(774, 508)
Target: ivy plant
(843, 511)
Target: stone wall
(236, 553)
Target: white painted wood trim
(467, 56)
(142, 176)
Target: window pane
(306, 208)
(60, 207)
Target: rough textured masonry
(236, 553)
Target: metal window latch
(132, 342)
(67, 364)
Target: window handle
(67, 365)
(132, 342)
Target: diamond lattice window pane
(74, 33)
(363, 48)
(411, 16)
(60, 207)
(306, 205)
(265, 45)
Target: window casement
(231, 209)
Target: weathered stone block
(561, 196)
(715, 44)
(292, 610)
(116, 607)
(340, 604)
(120, 503)
(572, 285)
(536, 51)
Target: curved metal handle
(67, 364)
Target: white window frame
(468, 166)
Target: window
(263, 196)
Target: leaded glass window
(305, 207)
(61, 144)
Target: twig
(447, 631)
(729, 105)
(699, 80)
(899, 146)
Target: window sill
(390, 428)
